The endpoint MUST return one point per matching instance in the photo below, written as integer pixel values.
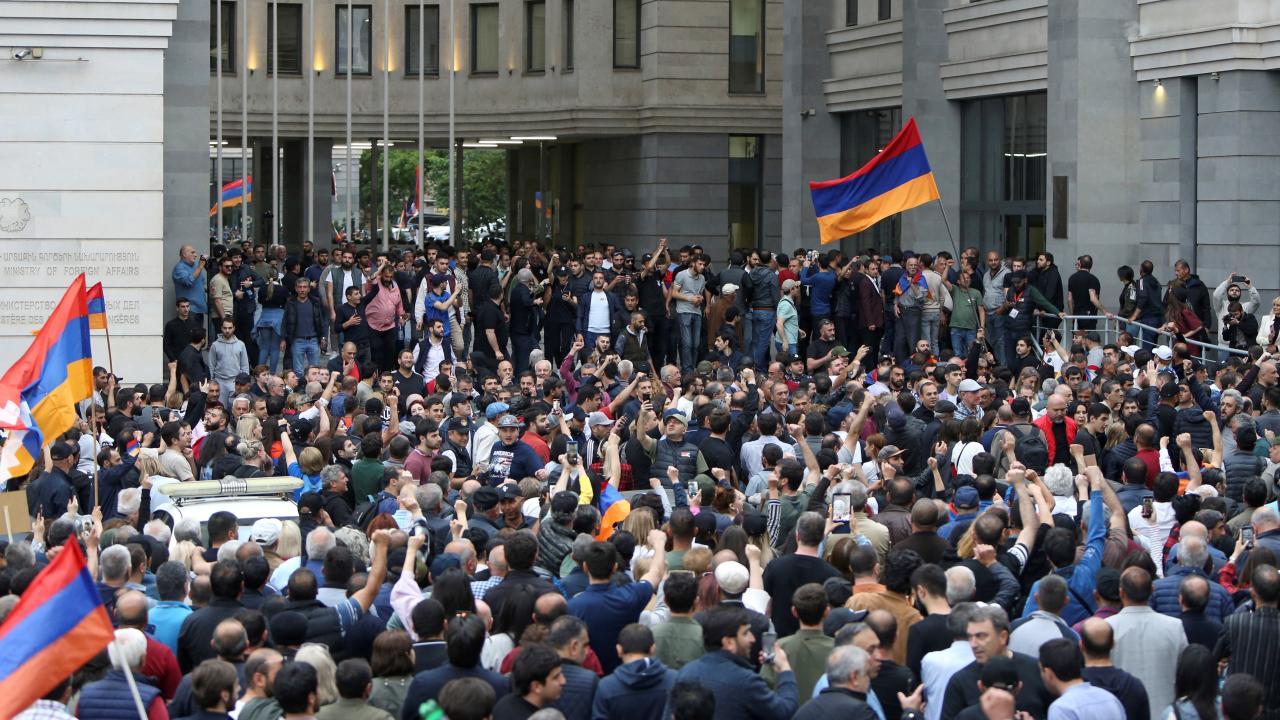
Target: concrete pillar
(1167, 153)
(924, 43)
(264, 170)
(1238, 197)
(1093, 110)
(293, 194)
(322, 192)
(186, 136)
(810, 144)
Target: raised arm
(1218, 453)
(642, 426)
(365, 595)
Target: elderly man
(189, 280)
(1145, 640)
(672, 450)
(848, 678)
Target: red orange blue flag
(57, 626)
(898, 178)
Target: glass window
(362, 49)
(746, 46)
(1004, 161)
(850, 13)
(885, 11)
(290, 37)
(626, 33)
(745, 187)
(535, 36)
(863, 134)
(568, 35)
(228, 43)
(428, 18)
(484, 39)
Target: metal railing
(1111, 327)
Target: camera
(22, 54)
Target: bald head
(1096, 639)
(924, 514)
(550, 606)
(230, 641)
(1193, 528)
(131, 610)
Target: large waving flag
(897, 179)
(97, 306)
(57, 626)
(53, 375)
(234, 193)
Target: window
(863, 134)
(427, 18)
(626, 33)
(746, 46)
(289, 35)
(228, 43)
(484, 39)
(1003, 165)
(745, 188)
(535, 36)
(885, 11)
(567, 65)
(362, 49)
(850, 13)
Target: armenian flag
(97, 308)
(897, 179)
(234, 193)
(905, 283)
(57, 626)
(53, 375)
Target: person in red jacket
(1059, 430)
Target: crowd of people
(577, 483)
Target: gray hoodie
(227, 358)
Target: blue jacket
(616, 313)
(110, 698)
(740, 693)
(635, 691)
(1164, 595)
(1082, 577)
(820, 283)
(578, 693)
(191, 287)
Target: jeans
(962, 339)
(995, 335)
(268, 347)
(870, 339)
(690, 325)
(306, 351)
(929, 329)
(784, 348)
(761, 321)
(1150, 339)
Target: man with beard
(384, 313)
(1021, 301)
(258, 702)
(408, 382)
(244, 285)
(491, 326)
(454, 447)
(510, 508)
(672, 449)
(511, 457)
(727, 669)
(434, 350)
(338, 279)
(822, 348)
(1233, 289)
(688, 291)
(537, 432)
(429, 442)
(596, 312)
(869, 309)
(761, 294)
(1197, 293)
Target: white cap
(1130, 350)
(732, 577)
(1163, 352)
(265, 531)
(728, 288)
(969, 385)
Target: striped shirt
(1249, 641)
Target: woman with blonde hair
(290, 543)
(249, 427)
(318, 657)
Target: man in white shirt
(433, 351)
(937, 667)
(750, 455)
(486, 435)
(1152, 529)
(595, 311)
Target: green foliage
(484, 183)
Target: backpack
(366, 511)
(1030, 448)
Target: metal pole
(217, 186)
(542, 192)
(245, 190)
(454, 225)
(311, 126)
(347, 167)
(422, 147)
(384, 216)
(275, 123)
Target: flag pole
(133, 685)
(942, 209)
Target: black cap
(486, 498)
(243, 379)
(1169, 390)
(754, 523)
(460, 425)
(1020, 407)
(1108, 584)
(943, 407)
(60, 451)
(509, 491)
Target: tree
(400, 181)
(484, 185)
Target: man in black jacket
(761, 294)
(846, 698)
(306, 327)
(1198, 296)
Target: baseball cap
(562, 270)
(439, 279)
(462, 425)
(1021, 407)
(444, 562)
(732, 577)
(492, 410)
(509, 491)
(840, 351)
(788, 284)
(60, 451)
(265, 531)
(969, 385)
(730, 288)
(889, 451)
(486, 498)
(966, 497)
(1130, 350)
(598, 418)
(1169, 390)
(243, 379)
(1108, 584)
(1163, 352)
(755, 522)
(674, 414)
(704, 367)
(509, 421)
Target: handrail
(1119, 322)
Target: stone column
(810, 143)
